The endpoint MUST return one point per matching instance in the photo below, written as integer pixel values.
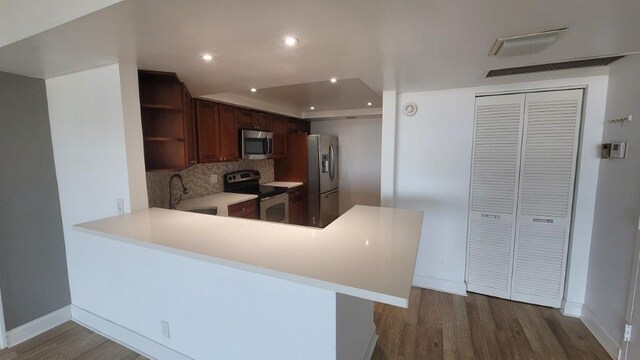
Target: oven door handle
(272, 197)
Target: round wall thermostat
(410, 109)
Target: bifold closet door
(494, 184)
(547, 177)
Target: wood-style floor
(435, 326)
(443, 326)
(69, 341)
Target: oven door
(256, 145)
(275, 208)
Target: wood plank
(540, 336)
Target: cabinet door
(228, 133)
(245, 119)
(548, 166)
(292, 126)
(494, 189)
(279, 129)
(189, 127)
(208, 127)
(296, 212)
(297, 205)
(304, 126)
(261, 121)
(246, 209)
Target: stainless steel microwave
(256, 145)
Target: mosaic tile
(197, 179)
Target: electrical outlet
(164, 326)
(213, 179)
(120, 206)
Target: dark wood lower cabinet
(247, 209)
(297, 205)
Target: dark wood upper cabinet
(245, 119)
(253, 120)
(261, 121)
(297, 125)
(228, 132)
(167, 122)
(188, 106)
(208, 129)
(280, 129)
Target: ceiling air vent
(525, 44)
(564, 65)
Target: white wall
(90, 149)
(617, 205)
(132, 122)
(433, 163)
(388, 148)
(359, 159)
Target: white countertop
(220, 200)
(287, 184)
(369, 252)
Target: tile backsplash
(198, 179)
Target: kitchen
(188, 136)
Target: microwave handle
(270, 146)
(265, 146)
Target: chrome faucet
(172, 202)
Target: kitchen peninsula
(233, 288)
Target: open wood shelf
(161, 138)
(159, 107)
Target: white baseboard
(371, 346)
(38, 326)
(570, 308)
(610, 344)
(448, 286)
(125, 337)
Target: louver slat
(494, 180)
(548, 162)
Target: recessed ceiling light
(334, 80)
(207, 57)
(369, 104)
(312, 108)
(254, 89)
(291, 41)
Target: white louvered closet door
(547, 176)
(494, 184)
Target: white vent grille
(539, 268)
(549, 152)
(494, 182)
(490, 253)
(495, 162)
(548, 161)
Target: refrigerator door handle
(332, 163)
(328, 194)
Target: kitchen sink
(207, 211)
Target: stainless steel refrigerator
(322, 153)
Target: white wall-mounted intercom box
(614, 150)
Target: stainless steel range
(274, 201)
